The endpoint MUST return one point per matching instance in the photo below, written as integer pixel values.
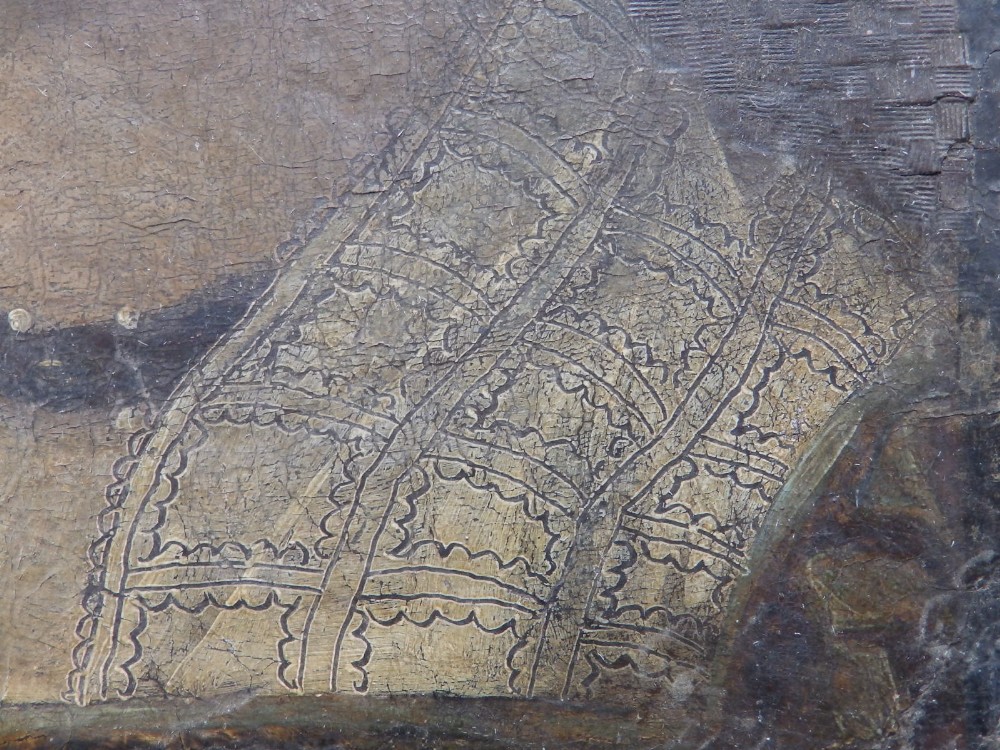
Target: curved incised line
(637, 475)
(452, 272)
(428, 417)
(632, 368)
(419, 285)
(608, 387)
(90, 677)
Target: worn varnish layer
(869, 625)
(559, 322)
(534, 406)
(878, 93)
(151, 148)
(341, 722)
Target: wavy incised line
(260, 321)
(458, 574)
(598, 662)
(444, 551)
(137, 651)
(679, 478)
(210, 598)
(611, 390)
(702, 291)
(824, 344)
(437, 615)
(835, 326)
(180, 447)
(737, 465)
(267, 548)
(361, 662)
(452, 272)
(521, 455)
(520, 481)
(444, 297)
(284, 662)
(646, 539)
(654, 223)
(287, 419)
(631, 366)
(756, 390)
(515, 134)
(561, 656)
(633, 257)
(447, 598)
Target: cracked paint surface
(493, 360)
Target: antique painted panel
(499, 373)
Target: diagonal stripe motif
(509, 423)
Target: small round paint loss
(128, 318)
(20, 320)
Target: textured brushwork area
(505, 373)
